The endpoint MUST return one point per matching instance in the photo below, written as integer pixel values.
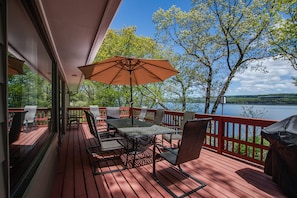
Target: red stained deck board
(224, 176)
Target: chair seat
(170, 156)
(111, 145)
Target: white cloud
(277, 78)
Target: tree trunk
(207, 92)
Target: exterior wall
(4, 163)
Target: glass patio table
(139, 133)
(139, 128)
(127, 122)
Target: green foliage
(250, 151)
(269, 99)
(283, 34)
(219, 37)
(28, 89)
(181, 85)
(125, 43)
(251, 112)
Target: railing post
(221, 135)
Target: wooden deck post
(221, 135)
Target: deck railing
(238, 136)
(41, 118)
(235, 136)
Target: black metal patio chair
(158, 117)
(16, 126)
(94, 109)
(107, 144)
(190, 147)
(112, 113)
(188, 115)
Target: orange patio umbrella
(120, 70)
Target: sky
(276, 79)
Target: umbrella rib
(114, 65)
(157, 76)
(115, 76)
(173, 69)
(152, 73)
(136, 81)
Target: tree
(123, 42)
(28, 89)
(251, 112)
(221, 37)
(283, 34)
(181, 85)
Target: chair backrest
(192, 140)
(142, 113)
(159, 116)
(94, 109)
(92, 124)
(31, 112)
(188, 115)
(113, 112)
(16, 126)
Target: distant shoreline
(267, 99)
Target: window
(28, 88)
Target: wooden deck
(224, 176)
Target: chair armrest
(105, 134)
(176, 128)
(174, 151)
(173, 126)
(112, 138)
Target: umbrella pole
(131, 97)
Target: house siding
(4, 163)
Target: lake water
(270, 112)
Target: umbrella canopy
(15, 66)
(120, 70)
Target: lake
(270, 112)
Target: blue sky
(279, 73)
(139, 13)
